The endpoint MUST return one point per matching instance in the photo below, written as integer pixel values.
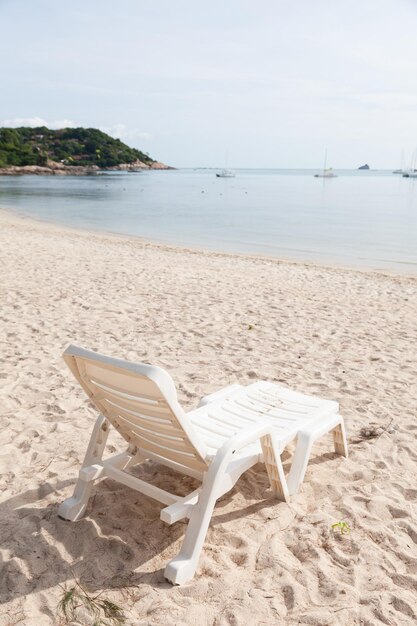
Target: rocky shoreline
(59, 169)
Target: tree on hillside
(79, 146)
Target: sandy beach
(210, 319)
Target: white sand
(345, 335)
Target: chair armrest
(243, 438)
(262, 432)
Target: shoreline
(57, 169)
(206, 251)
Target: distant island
(364, 167)
(71, 151)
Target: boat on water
(225, 174)
(411, 172)
(327, 173)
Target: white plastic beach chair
(228, 433)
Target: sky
(265, 83)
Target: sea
(365, 219)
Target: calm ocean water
(360, 218)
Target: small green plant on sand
(343, 527)
(102, 612)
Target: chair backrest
(140, 401)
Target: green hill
(69, 146)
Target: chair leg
(272, 460)
(182, 567)
(74, 508)
(300, 461)
(339, 439)
(305, 440)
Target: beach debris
(104, 612)
(369, 433)
(250, 327)
(373, 431)
(343, 527)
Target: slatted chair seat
(228, 433)
(288, 412)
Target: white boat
(327, 171)
(225, 174)
(412, 171)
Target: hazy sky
(271, 82)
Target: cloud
(117, 130)
(37, 121)
(121, 131)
